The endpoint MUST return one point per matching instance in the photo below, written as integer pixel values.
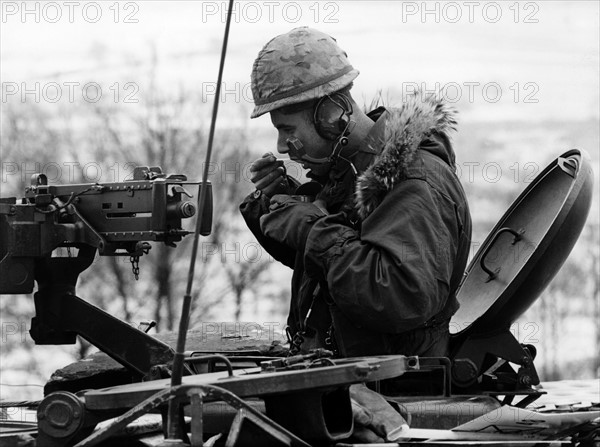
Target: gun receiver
(116, 218)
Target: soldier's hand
(269, 176)
(375, 420)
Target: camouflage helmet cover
(298, 66)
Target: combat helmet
(298, 66)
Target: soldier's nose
(282, 148)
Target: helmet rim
(316, 92)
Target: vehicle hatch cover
(526, 248)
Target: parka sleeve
(252, 208)
(395, 274)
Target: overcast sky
(495, 60)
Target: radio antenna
(173, 424)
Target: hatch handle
(518, 236)
(569, 165)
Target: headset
(332, 121)
(331, 116)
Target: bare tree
(593, 243)
(243, 277)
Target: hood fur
(405, 128)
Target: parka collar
(394, 140)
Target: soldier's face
(315, 147)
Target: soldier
(379, 239)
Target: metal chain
(142, 248)
(296, 344)
(135, 266)
(294, 340)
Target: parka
(386, 262)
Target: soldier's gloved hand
(269, 176)
(375, 420)
(290, 220)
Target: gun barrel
(181, 210)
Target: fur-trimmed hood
(419, 118)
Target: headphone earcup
(331, 116)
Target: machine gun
(114, 219)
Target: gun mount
(113, 219)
